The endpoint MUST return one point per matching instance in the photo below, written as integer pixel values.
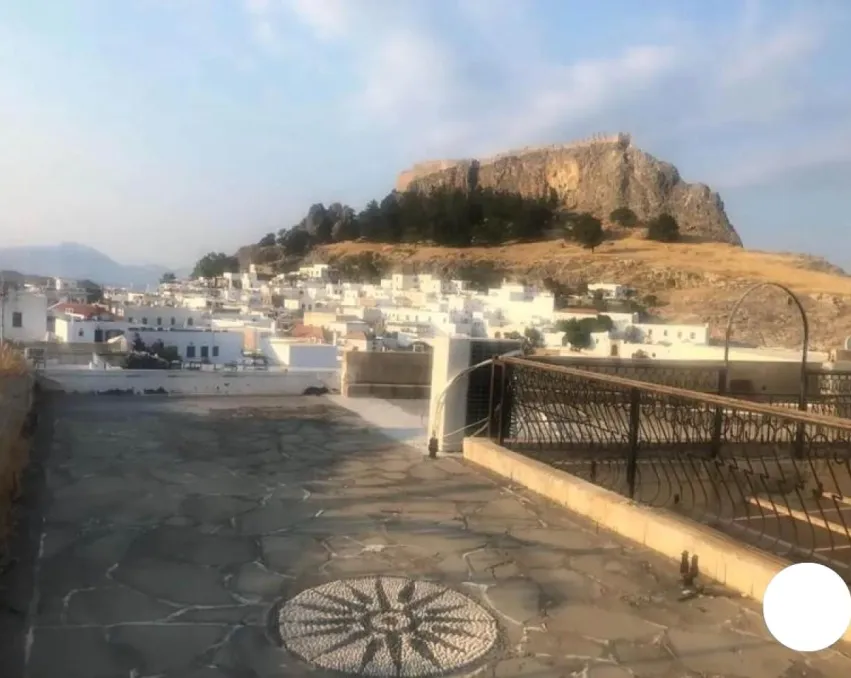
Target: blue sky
(157, 130)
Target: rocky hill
(691, 282)
(596, 176)
(695, 280)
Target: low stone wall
(16, 401)
(183, 382)
(386, 374)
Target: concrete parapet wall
(174, 382)
(386, 374)
(738, 566)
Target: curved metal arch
(802, 395)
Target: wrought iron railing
(773, 475)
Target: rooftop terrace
(178, 532)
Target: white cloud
(415, 79)
(500, 88)
(329, 19)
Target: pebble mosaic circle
(386, 627)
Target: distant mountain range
(78, 262)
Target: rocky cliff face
(593, 176)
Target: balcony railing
(769, 473)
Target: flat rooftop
(294, 537)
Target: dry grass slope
(696, 282)
(15, 402)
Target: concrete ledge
(387, 391)
(183, 382)
(739, 567)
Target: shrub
(144, 361)
(663, 228)
(575, 334)
(623, 216)
(12, 361)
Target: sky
(158, 130)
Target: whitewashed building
(24, 316)
(193, 344)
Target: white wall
(72, 330)
(149, 315)
(25, 316)
(716, 353)
(305, 356)
(180, 382)
(674, 334)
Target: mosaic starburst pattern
(386, 627)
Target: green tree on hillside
(623, 216)
(578, 333)
(588, 231)
(444, 216)
(663, 228)
(574, 334)
(167, 278)
(214, 264)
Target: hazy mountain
(75, 261)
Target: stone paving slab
(180, 532)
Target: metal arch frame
(802, 395)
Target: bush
(623, 216)
(574, 334)
(663, 228)
(12, 361)
(144, 361)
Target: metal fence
(774, 476)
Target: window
(130, 319)
(17, 319)
(159, 322)
(215, 351)
(665, 333)
(190, 322)
(190, 351)
(205, 351)
(172, 320)
(80, 333)
(692, 335)
(679, 335)
(144, 321)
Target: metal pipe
(802, 394)
(802, 390)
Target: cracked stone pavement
(173, 526)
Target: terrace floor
(260, 537)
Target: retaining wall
(386, 374)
